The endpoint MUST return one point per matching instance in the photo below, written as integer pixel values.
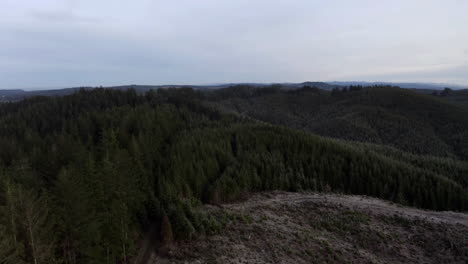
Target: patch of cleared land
(280, 227)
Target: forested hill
(459, 96)
(401, 118)
(83, 176)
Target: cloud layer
(52, 43)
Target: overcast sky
(64, 43)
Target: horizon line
(42, 88)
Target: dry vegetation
(284, 227)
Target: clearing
(281, 227)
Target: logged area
(279, 227)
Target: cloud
(69, 42)
(63, 16)
(454, 74)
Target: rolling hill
(14, 95)
(401, 118)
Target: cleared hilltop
(291, 228)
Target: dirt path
(147, 247)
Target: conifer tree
(10, 251)
(36, 225)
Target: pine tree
(10, 251)
(76, 219)
(11, 248)
(36, 225)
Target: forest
(405, 119)
(82, 176)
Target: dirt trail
(148, 247)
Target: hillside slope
(325, 228)
(459, 97)
(418, 123)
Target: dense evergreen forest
(455, 96)
(401, 118)
(82, 176)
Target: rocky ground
(282, 227)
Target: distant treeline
(401, 118)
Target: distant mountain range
(11, 95)
(431, 86)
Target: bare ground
(280, 227)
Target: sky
(68, 43)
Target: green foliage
(401, 118)
(10, 252)
(458, 96)
(86, 173)
(26, 225)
